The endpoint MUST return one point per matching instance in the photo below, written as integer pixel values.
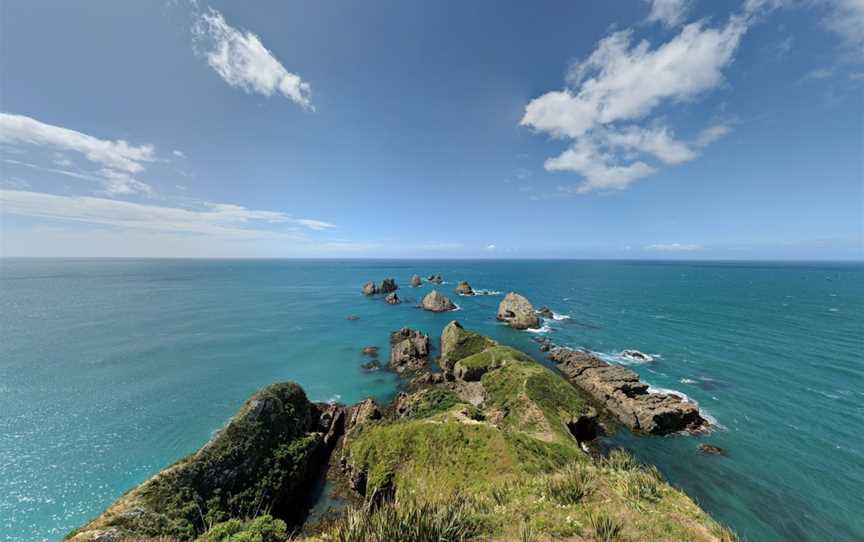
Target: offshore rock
(436, 302)
(624, 395)
(416, 282)
(463, 288)
(517, 312)
(392, 299)
(435, 279)
(387, 286)
(409, 351)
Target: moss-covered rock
(262, 460)
(457, 343)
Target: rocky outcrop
(373, 365)
(457, 343)
(436, 302)
(637, 356)
(435, 279)
(545, 312)
(710, 449)
(463, 288)
(386, 286)
(392, 299)
(517, 312)
(266, 458)
(371, 351)
(624, 395)
(409, 350)
(362, 412)
(370, 288)
(416, 282)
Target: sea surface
(112, 369)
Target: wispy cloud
(215, 219)
(668, 12)
(673, 247)
(242, 60)
(119, 160)
(622, 82)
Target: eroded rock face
(624, 395)
(370, 288)
(243, 462)
(366, 410)
(463, 288)
(409, 350)
(436, 302)
(416, 282)
(517, 312)
(435, 279)
(392, 299)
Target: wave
(458, 308)
(712, 421)
(483, 291)
(335, 399)
(687, 381)
(544, 329)
(558, 317)
(623, 358)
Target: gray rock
(409, 350)
(463, 288)
(392, 299)
(416, 282)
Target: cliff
(497, 447)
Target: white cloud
(491, 248)
(179, 154)
(846, 18)
(669, 12)
(673, 247)
(242, 60)
(624, 82)
(712, 133)
(119, 159)
(218, 219)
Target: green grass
(431, 402)
(570, 485)
(604, 527)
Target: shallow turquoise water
(112, 369)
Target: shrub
(569, 486)
(620, 460)
(260, 529)
(641, 485)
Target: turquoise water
(112, 369)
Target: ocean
(112, 369)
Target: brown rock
(369, 288)
(416, 282)
(517, 312)
(371, 351)
(392, 299)
(409, 350)
(710, 449)
(436, 302)
(624, 395)
(362, 412)
(463, 288)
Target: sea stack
(409, 350)
(517, 312)
(435, 279)
(369, 288)
(416, 281)
(388, 285)
(463, 288)
(392, 299)
(436, 302)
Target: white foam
(559, 317)
(687, 381)
(483, 291)
(544, 329)
(335, 399)
(458, 308)
(619, 358)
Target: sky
(640, 129)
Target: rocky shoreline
(491, 416)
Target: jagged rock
(463, 288)
(371, 351)
(624, 395)
(546, 312)
(409, 350)
(230, 474)
(435, 279)
(373, 365)
(436, 302)
(392, 299)
(370, 288)
(517, 312)
(710, 449)
(387, 286)
(457, 343)
(416, 282)
(635, 355)
(362, 412)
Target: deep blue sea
(113, 369)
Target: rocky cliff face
(409, 350)
(517, 312)
(265, 459)
(622, 393)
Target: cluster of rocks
(463, 288)
(517, 312)
(434, 301)
(386, 286)
(545, 312)
(409, 350)
(373, 364)
(624, 395)
(544, 344)
(435, 279)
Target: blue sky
(665, 129)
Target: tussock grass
(641, 485)
(724, 533)
(620, 460)
(604, 527)
(570, 485)
(453, 520)
(527, 533)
